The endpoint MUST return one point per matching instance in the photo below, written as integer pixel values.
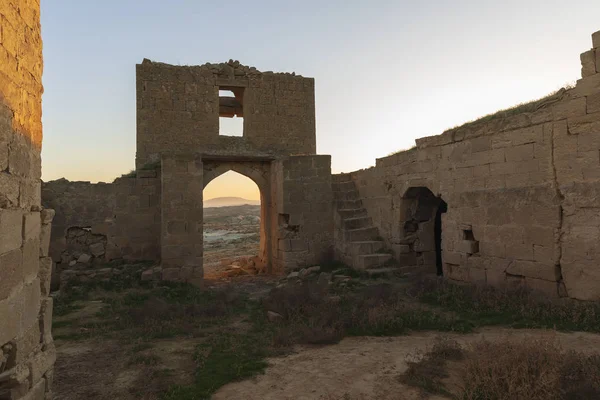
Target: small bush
(427, 371)
(506, 370)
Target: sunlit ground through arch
(232, 221)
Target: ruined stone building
(156, 212)
(509, 199)
(27, 351)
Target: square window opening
(231, 111)
(468, 235)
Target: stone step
(346, 195)
(358, 222)
(368, 261)
(342, 186)
(346, 213)
(361, 234)
(364, 247)
(344, 204)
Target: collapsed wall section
(27, 351)
(521, 190)
(100, 222)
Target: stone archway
(259, 172)
(422, 226)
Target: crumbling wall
(27, 350)
(521, 191)
(100, 222)
(303, 201)
(178, 110)
(77, 205)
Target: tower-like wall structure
(27, 351)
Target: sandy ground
(368, 367)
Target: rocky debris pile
(83, 257)
(243, 266)
(337, 277)
(83, 247)
(103, 273)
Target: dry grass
(312, 315)
(517, 308)
(505, 370)
(234, 336)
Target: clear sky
(386, 72)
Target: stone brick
(11, 310)
(45, 326)
(47, 215)
(468, 246)
(454, 258)
(533, 269)
(549, 288)
(41, 363)
(45, 234)
(11, 272)
(45, 275)
(9, 189)
(31, 225)
(520, 251)
(38, 392)
(520, 153)
(31, 297)
(570, 108)
(31, 259)
(596, 40)
(27, 344)
(477, 275)
(11, 230)
(588, 63)
(285, 245)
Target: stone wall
(178, 109)
(181, 213)
(304, 221)
(27, 351)
(100, 222)
(521, 190)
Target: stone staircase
(358, 243)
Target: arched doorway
(422, 227)
(236, 236)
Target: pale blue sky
(386, 72)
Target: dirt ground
(367, 368)
(358, 368)
(109, 365)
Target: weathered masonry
(156, 214)
(513, 199)
(27, 351)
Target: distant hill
(229, 201)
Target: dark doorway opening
(441, 209)
(422, 229)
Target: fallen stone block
(84, 258)
(97, 249)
